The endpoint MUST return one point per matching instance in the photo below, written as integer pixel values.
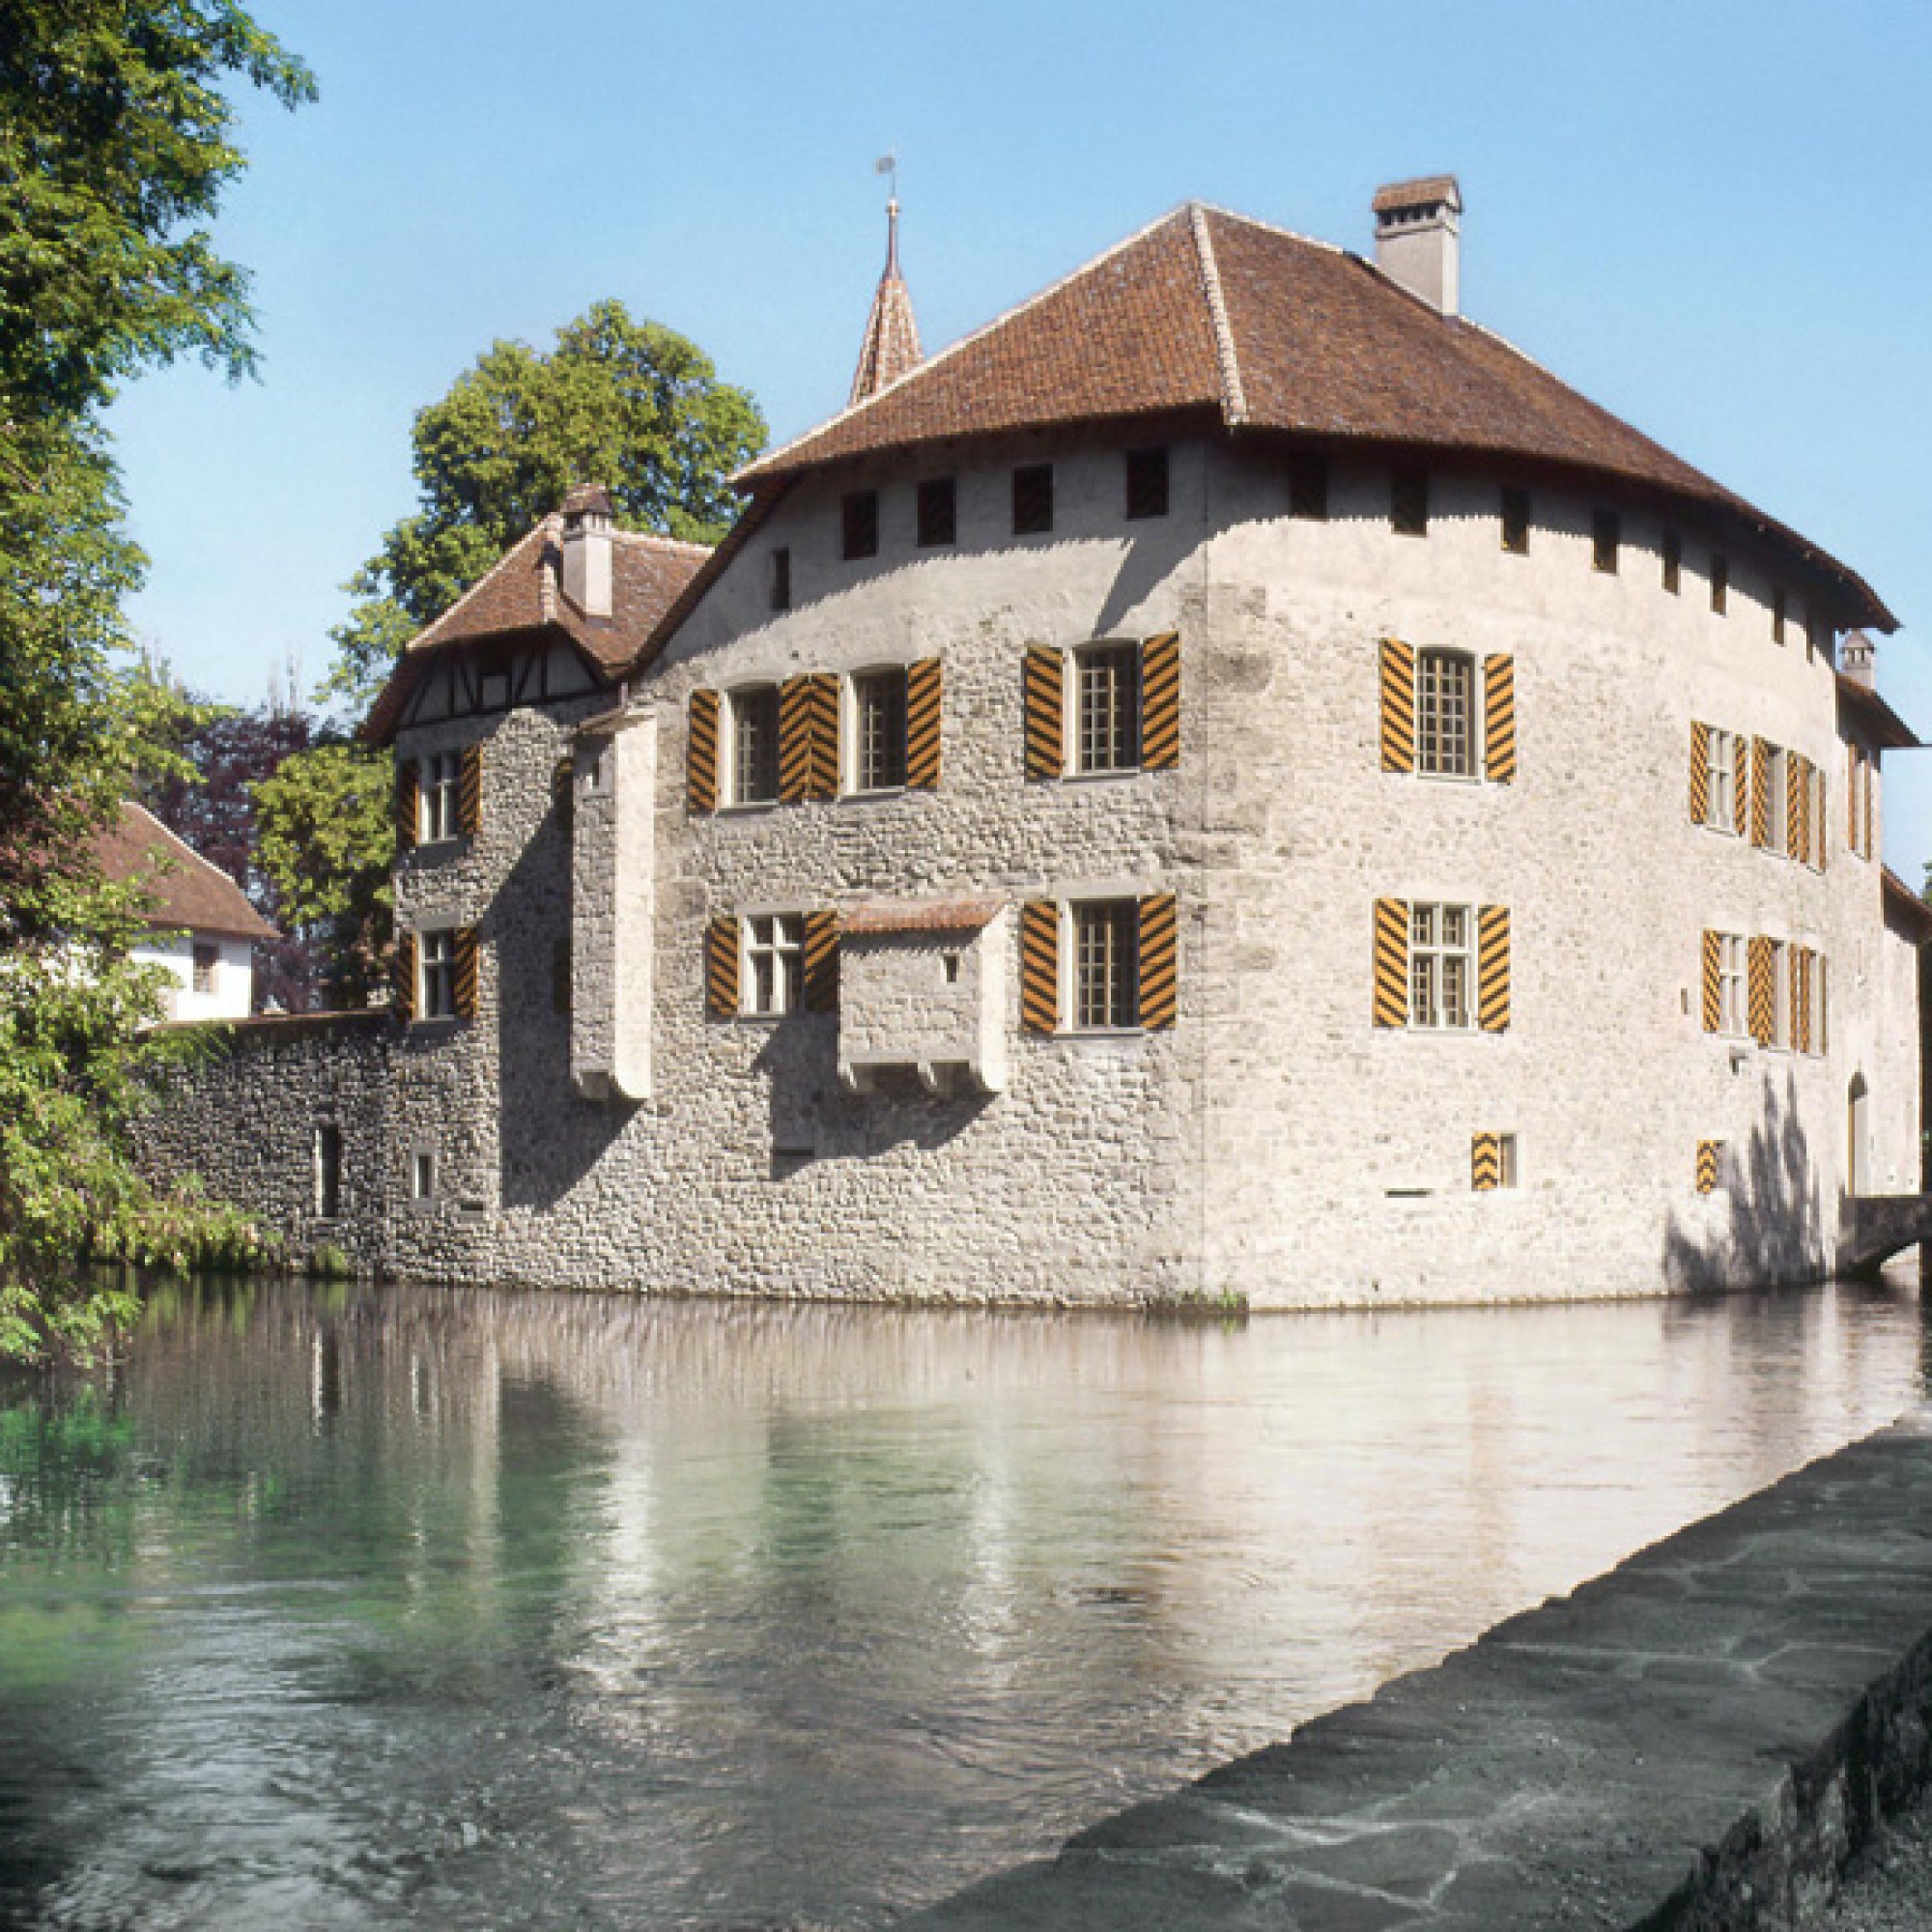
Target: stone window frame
(1100, 932)
(422, 1176)
(780, 950)
(1123, 726)
(1429, 704)
(859, 778)
(730, 772)
(439, 798)
(436, 977)
(1441, 1000)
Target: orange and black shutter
(1740, 784)
(1492, 968)
(1707, 1154)
(1391, 979)
(822, 704)
(1801, 999)
(403, 970)
(924, 684)
(821, 961)
(1398, 733)
(1794, 802)
(1159, 961)
(1760, 792)
(463, 961)
(1714, 996)
(721, 968)
(1761, 992)
(1486, 1162)
(1160, 702)
(1045, 729)
(1700, 772)
(1499, 720)
(701, 754)
(795, 739)
(407, 787)
(469, 791)
(1039, 966)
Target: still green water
(354, 1607)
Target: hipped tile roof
(960, 915)
(190, 894)
(1271, 332)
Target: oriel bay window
(754, 743)
(879, 731)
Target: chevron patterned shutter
(1821, 822)
(1039, 966)
(1398, 706)
(721, 968)
(1492, 969)
(1486, 1162)
(821, 961)
(1159, 963)
(924, 684)
(1794, 805)
(701, 754)
(1044, 675)
(1714, 996)
(469, 791)
(1499, 719)
(1160, 702)
(1762, 995)
(402, 969)
(795, 734)
(1740, 784)
(1801, 999)
(1391, 982)
(1708, 1153)
(1760, 792)
(1700, 772)
(408, 785)
(463, 955)
(822, 704)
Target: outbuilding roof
(188, 893)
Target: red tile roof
(1895, 893)
(190, 894)
(1271, 332)
(889, 348)
(962, 915)
(1880, 723)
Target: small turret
(890, 347)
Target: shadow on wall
(1765, 1225)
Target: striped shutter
(403, 972)
(924, 683)
(1821, 822)
(1039, 966)
(795, 749)
(721, 968)
(701, 754)
(1398, 706)
(1700, 772)
(1740, 784)
(822, 708)
(1708, 1153)
(1801, 999)
(1391, 986)
(408, 784)
(1044, 675)
(1714, 994)
(1159, 965)
(1486, 1162)
(469, 791)
(1761, 993)
(1160, 702)
(1760, 792)
(1499, 719)
(1492, 968)
(1794, 805)
(821, 961)
(463, 955)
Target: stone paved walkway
(1698, 1741)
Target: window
(1033, 499)
(207, 958)
(1732, 1013)
(439, 814)
(782, 579)
(422, 1174)
(1516, 520)
(1505, 1160)
(1778, 829)
(774, 963)
(1673, 563)
(1606, 536)
(1107, 708)
(1720, 583)
(435, 975)
(328, 1170)
(1445, 729)
(1308, 486)
(1777, 615)
(949, 967)
(1720, 789)
(1409, 503)
(879, 731)
(1441, 965)
(754, 744)
(1146, 483)
(1778, 972)
(859, 524)
(1106, 963)
(938, 504)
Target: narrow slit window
(1673, 563)
(782, 579)
(1409, 503)
(1146, 483)
(1516, 520)
(1606, 540)
(1777, 615)
(1720, 583)
(328, 1170)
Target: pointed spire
(890, 347)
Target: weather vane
(889, 164)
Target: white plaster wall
(233, 992)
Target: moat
(338, 1606)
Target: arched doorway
(1858, 1130)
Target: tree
(630, 405)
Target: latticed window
(879, 731)
(1720, 770)
(755, 744)
(1106, 963)
(774, 962)
(435, 975)
(1441, 965)
(1107, 725)
(438, 813)
(1733, 1014)
(1445, 723)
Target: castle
(1228, 781)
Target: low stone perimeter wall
(1697, 1740)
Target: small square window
(1673, 563)
(207, 958)
(782, 579)
(879, 731)
(1107, 708)
(1516, 520)
(1106, 964)
(938, 512)
(1720, 583)
(1777, 615)
(1146, 483)
(1409, 503)
(754, 744)
(1606, 540)
(859, 524)
(422, 1174)
(1308, 486)
(774, 976)
(1033, 499)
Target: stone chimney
(586, 550)
(1858, 659)
(1418, 239)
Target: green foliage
(630, 405)
(326, 836)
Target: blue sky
(1707, 215)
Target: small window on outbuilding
(1033, 499)
(859, 522)
(1409, 503)
(938, 512)
(1146, 483)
